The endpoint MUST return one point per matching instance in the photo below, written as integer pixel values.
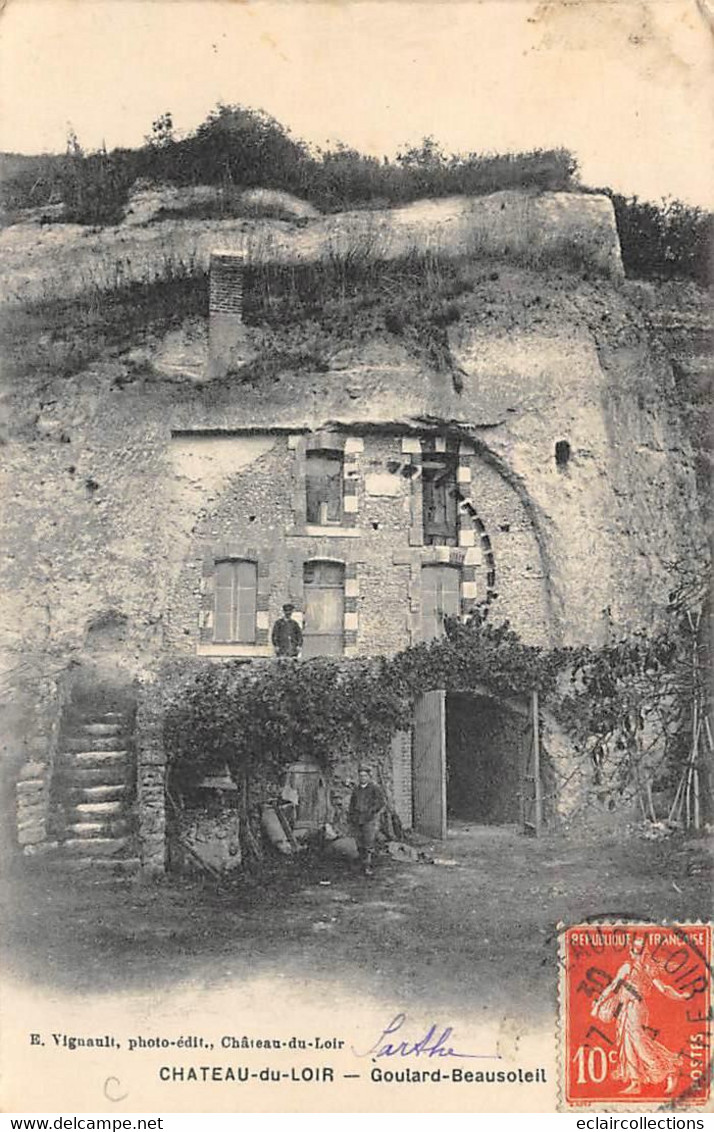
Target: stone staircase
(92, 815)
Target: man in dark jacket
(287, 634)
(365, 805)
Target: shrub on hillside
(94, 188)
(237, 147)
(670, 240)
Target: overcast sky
(627, 85)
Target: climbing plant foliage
(619, 703)
(258, 718)
(629, 706)
(261, 717)
(477, 653)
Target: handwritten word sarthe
(436, 1042)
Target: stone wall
(151, 779)
(35, 749)
(249, 511)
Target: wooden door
(324, 594)
(429, 764)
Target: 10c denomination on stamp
(636, 1014)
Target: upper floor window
(324, 609)
(440, 498)
(440, 598)
(235, 601)
(323, 486)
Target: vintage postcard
(356, 623)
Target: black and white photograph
(355, 645)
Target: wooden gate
(429, 764)
(532, 784)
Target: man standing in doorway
(287, 634)
(365, 805)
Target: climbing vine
(477, 653)
(629, 706)
(626, 706)
(259, 718)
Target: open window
(440, 499)
(440, 598)
(324, 609)
(324, 487)
(235, 601)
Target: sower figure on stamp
(287, 634)
(366, 803)
(641, 1058)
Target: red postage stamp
(636, 1014)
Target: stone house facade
(399, 545)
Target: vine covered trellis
(639, 709)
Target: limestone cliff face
(95, 524)
(532, 228)
(619, 503)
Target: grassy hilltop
(237, 148)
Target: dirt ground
(482, 925)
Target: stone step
(107, 774)
(96, 846)
(104, 792)
(71, 744)
(90, 829)
(101, 728)
(77, 721)
(43, 849)
(88, 758)
(97, 808)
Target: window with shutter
(324, 609)
(323, 487)
(235, 600)
(440, 598)
(440, 499)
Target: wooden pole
(650, 802)
(693, 777)
(676, 807)
(538, 817)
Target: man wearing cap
(365, 805)
(287, 634)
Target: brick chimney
(225, 310)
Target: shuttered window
(236, 584)
(440, 499)
(440, 598)
(324, 617)
(323, 487)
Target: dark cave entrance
(487, 746)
